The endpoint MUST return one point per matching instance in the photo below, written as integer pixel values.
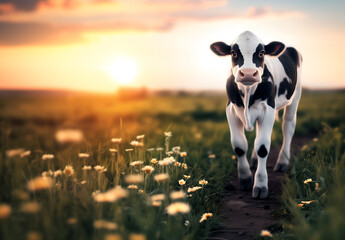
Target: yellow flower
(103, 224)
(177, 195)
(141, 191)
(212, 156)
(134, 178)
(177, 164)
(300, 204)
(100, 169)
(14, 152)
(47, 156)
(182, 182)
(85, 168)
(166, 161)
(317, 188)
(39, 183)
(205, 216)
(183, 154)
(129, 150)
(307, 202)
(112, 150)
(111, 195)
(72, 221)
(5, 210)
(112, 237)
(315, 139)
(265, 233)
(157, 197)
(203, 182)
(233, 157)
(57, 173)
(132, 187)
(140, 137)
(154, 160)
(116, 140)
(48, 173)
(69, 136)
(161, 177)
(136, 163)
(83, 182)
(68, 170)
(30, 207)
(148, 169)
(186, 176)
(184, 165)
(193, 189)
(83, 155)
(25, 154)
(137, 237)
(308, 180)
(156, 203)
(178, 207)
(167, 134)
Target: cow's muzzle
(248, 76)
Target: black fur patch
(290, 62)
(262, 151)
(220, 48)
(258, 61)
(233, 92)
(265, 90)
(239, 151)
(238, 60)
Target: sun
(123, 71)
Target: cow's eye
(233, 54)
(262, 54)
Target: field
(118, 200)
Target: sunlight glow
(123, 71)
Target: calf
(263, 79)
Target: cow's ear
(220, 48)
(274, 48)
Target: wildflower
(211, 156)
(233, 157)
(308, 180)
(315, 139)
(47, 156)
(116, 140)
(184, 165)
(111, 195)
(307, 202)
(134, 178)
(86, 168)
(166, 161)
(150, 149)
(182, 182)
(177, 195)
(203, 182)
(104, 224)
(134, 143)
(83, 182)
(68, 170)
(5, 210)
(25, 154)
(132, 186)
(176, 149)
(140, 137)
(112, 237)
(21, 195)
(57, 173)
(14, 152)
(186, 176)
(129, 150)
(83, 155)
(148, 169)
(136, 163)
(137, 237)
(183, 154)
(193, 189)
(178, 207)
(265, 233)
(33, 236)
(317, 188)
(112, 150)
(48, 173)
(167, 134)
(100, 169)
(72, 221)
(141, 191)
(170, 153)
(39, 183)
(300, 204)
(205, 216)
(189, 195)
(304, 147)
(177, 164)
(156, 203)
(30, 207)
(157, 197)
(161, 177)
(159, 149)
(154, 160)
(69, 136)
(186, 223)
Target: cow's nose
(248, 76)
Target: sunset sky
(98, 45)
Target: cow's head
(247, 57)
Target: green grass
(198, 125)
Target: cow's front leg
(262, 146)
(240, 146)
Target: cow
(263, 79)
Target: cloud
(67, 21)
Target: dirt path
(244, 217)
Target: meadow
(96, 181)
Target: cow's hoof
(246, 183)
(253, 163)
(260, 193)
(281, 167)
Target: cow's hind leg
(288, 128)
(240, 146)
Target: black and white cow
(263, 79)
